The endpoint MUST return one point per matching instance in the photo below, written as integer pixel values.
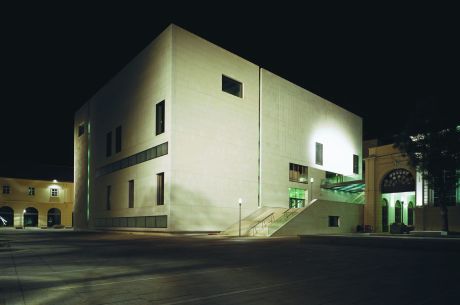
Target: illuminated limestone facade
(395, 193)
(186, 129)
(35, 203)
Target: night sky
(376, 61)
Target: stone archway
(7, 214)
(31, 217)
(53, 217)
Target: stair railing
(263, 223)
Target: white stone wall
(293, 120)
(214, 146)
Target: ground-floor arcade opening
(54, 217)
(7, 214)
(398, 198)
(31, 217)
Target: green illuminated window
(296, 197)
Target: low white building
(187, 128)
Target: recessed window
(298, 173)
(131, 194)
(6, 189)
(108, 203)
(31, 191)
(81, 130)
(160, 117)
(319, 153)
(334, 221)
(160, 189)
(108, 144)
(118, 139)
(54, 192)
(232, 86)
(355, 164)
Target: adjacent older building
(35, 203)
(187, 130)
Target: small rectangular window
(334, 221)
(319, 154)
(298, 173)
(54, 192)
(118, 139)
(232, 86)
(355, 164)
(108, 144)
(6, 189)
(131, 194)
(160, 189)
(108, 205)
(160, 117)
(31, 191)
(81, 130)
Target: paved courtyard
(66, 267)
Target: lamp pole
(311, 188)
(240, 201)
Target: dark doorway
(384, 215)
(54, 217)
(410, 214)
(7, 214)
(398, 212)
(31, 217)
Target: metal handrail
(260, 222)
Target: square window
(334, 221)
(6, 189)
(232, 86)
(31, 191)
(54, 192)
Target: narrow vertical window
(160, 117)
(108, 144)
(131, 194)
(118, 139)
(81, 130)
(160, 189)
(6, 189)
(31, 191)
(319, 153)
(355, 164)
(108, 205)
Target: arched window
(54, 217)
(31, 217)
(398, 212)
(7, 214)
(410, 214)
(384, 215)
(398, 180)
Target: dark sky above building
(374, 60)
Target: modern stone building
(187, 129)
(35, 203)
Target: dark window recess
(118, 139)
(319, 154)
(298, 173)
(131, 194)
(81, 130)
(355, 164)
(232, 86)
(108, 144)
(6, 189)
(146, 155)
(160, 221)
(334, 221)
(108, 205)
(160, 189)
(160, 117)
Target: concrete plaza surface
(66, 267)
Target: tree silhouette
(431, 140)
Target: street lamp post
(23, 213)
(311, 188)
(240, 201)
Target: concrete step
(428, 233)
